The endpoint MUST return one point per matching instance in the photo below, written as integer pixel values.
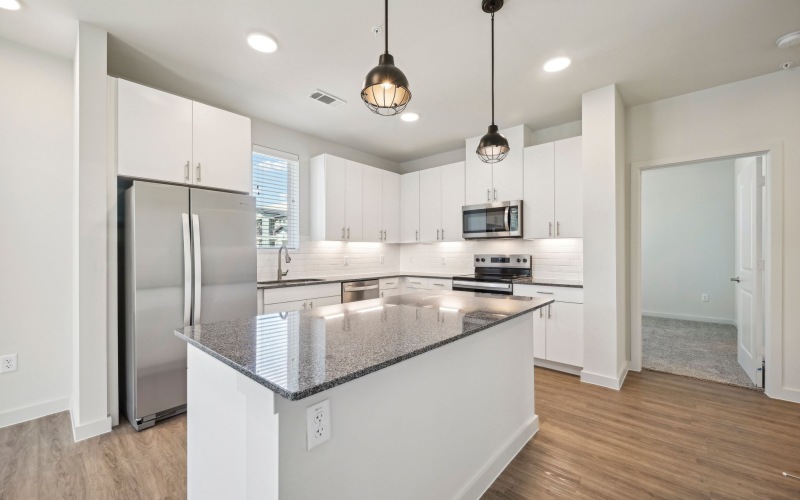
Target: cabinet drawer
(440, 284)
(558, 293)
(294, 293)
(418, 283)
(389, 283)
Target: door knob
(736, 279)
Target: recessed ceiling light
(557, 64)
(789, 40)
(10, 4)
(259, 41)
(409, 117)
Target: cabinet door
(354, 189)
(565, 333)
(452, 201)
(539, 333)
(324, 301)
(372, 204)
(409, 208)
(391, 207)
(222, 149)
(154, 134)
(478, 176)
(569, 188)
(334, 180)
(538, 216)
(507, 174)
(430, 204)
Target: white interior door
(748, 278)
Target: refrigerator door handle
(187, 272)
(197, 269)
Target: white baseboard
(604, 380)
(553, 365)
(91, 429)
(499, 461)
(19, 415)
(687, 317)
(791, 395)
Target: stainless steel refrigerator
(190, 258)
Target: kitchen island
(429, 395)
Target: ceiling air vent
(326, 98)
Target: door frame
(773, 252)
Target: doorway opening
(702, 270)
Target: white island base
(440, 425)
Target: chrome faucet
(281, 273)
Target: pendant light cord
(386, 28)
(492, 67)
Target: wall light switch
(704, 297)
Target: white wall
(756, 113)
(36, 228)
(606, 327)
(688, 223)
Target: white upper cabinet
(452, 201)
(222, 149)
(569, 188)
(154, 134)
(328, 196)
(391, 207)
(409, 203)
(488, 183)
(430, 204)
(164, 137)
(553, 190)
(350, 201)
(372, 203)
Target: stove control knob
(483, 260)
(518, 260)
(477, 259)
(524, 260)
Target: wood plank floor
(662, 436)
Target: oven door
(492, 220)
(493, 287)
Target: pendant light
(386, 87)
(493, 147)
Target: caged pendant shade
(493, 146)
(385, 90)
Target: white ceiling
(651, 48)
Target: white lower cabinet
(390, 287)
(413, 283)
(558, 327)
(300, 305)
(297, 298)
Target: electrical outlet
(704, 297)
(443, 261)
(381, 259)
(8, 363)
(346, 261)
(318, 423)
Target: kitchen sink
(294, 281)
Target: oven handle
(484, 286)
(507, 219)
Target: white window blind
(276, 189)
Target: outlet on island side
(318, 423)
(8, 363)
(704, 297)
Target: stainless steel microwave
(492, 220)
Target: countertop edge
(296, 396)
(345, 279)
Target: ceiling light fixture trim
(557, 64)
(493, 147)
(10, 4)
(386, 91)
(261, 42)
(409, 117)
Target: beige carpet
(705, 351)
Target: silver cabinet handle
(495, 194)
(198, 269)
(558, 229)
(549, 312)
(736, 279)
(304, 305)
(381, 294)
(541, 312)
(437, 235)
(546, 293)
(385, 237)
(311, 304)
(348, 233)
(187, 171)
(442, 234)
(187, 271)
(488, 195)
(342, 232)
(438, 284)
(416, 234)
(380, 235)
(198, 172)
(549, 229)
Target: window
(275, 187)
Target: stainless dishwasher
(360, 290)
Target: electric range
(494, 274)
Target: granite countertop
(300, 353)
(351, 277)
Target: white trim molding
(689, 317)
(773, 276)
(604, 380)
(39, 410)
(90, 430)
